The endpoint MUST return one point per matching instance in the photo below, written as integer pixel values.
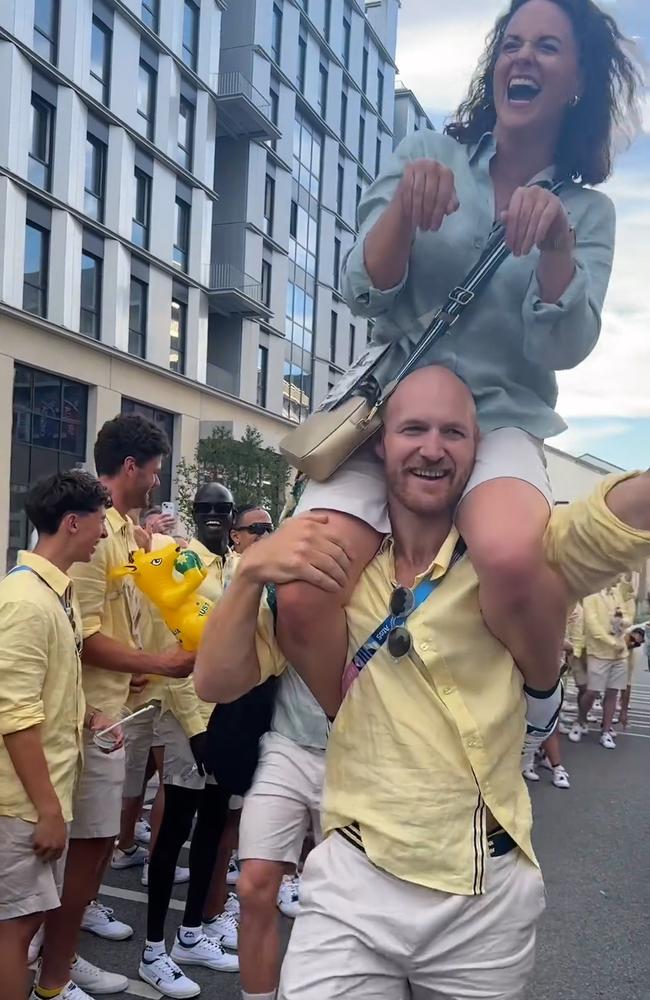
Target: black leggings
(181, 804)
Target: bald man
(426, 884)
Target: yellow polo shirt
(112, 607)
(424, 746)
(180, 696)
(40, 679)
(600, 640)
(575, 630)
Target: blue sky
(606, 400)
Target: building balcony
(242, 109)
(232, 291)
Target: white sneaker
(289, 896)
(166, 977)
(98, 919)
(204, 951)
(35, 945)
(70, 992)
(607, 740)
(561, 777)
(142, 832)
(232, 877)
(128, 859)
(232, 904)
(564, 728)
(575, 735)
(181, 874)
(223, 929)
(530, 774)
(545, 762)
(90, 977)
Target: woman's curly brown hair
(611, 91)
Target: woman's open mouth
(522, 90)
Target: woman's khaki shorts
(359, 487)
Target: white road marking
(137, 988)
(135, 897)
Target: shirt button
(474, 743)
(478, 244)
(424, 646)
(448, 690)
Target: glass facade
(39, 164)
(37, 245)
(166, 421)
(301, 287)
(46, 28)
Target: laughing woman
(554, 84)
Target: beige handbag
(351, 413)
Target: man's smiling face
(428, 445)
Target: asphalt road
(593, 842)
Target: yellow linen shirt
(40, 680)
(111, 607)
(180, 696)
(600, 640)
(424, 746)
(575, 630)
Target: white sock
(189, 935)
(152, 949)
(258, 996)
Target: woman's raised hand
(536, 217)
(426, 194)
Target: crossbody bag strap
(459, 299)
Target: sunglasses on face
(205, 507)
(402, 603)
(260, 528)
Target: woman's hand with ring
(536, 217)
(426, 194)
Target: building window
(269, 204)
(293, 219)
(275, 105)
(149, 14)
(337, 262)
(138, 318)
(262, 374)
(37, 246)
(302, 62)
(322, 90)
(340, 180)
(351, 354)
(100, 61)
(266, 283)
(327, 20)
(39, 164)
(377, 156)
(46, 28)
(276, 33)
(142, 214)
(91, 295)
(165, 421)
(185, 133)
(362, 136)
(334, 321)
(95, 178)
(380, 92)
(177, 337)
(147, 96)
(182, 233)
(190, 33)
(48, 435)
(364, 69)
(347, 30)
(344, 115)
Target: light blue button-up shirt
(509, 343)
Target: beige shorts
(606, 675)
(139, 737)
(359, 487)
(283, 801)
(363, 934)
(179, 767)
(97, 804)
(579, 670)
(29, 885)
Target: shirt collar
(115, 519)
(48, 572)
(207, 557)
(438, 565)
(483, 151)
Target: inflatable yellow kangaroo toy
(156, 575)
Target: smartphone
(168, 508)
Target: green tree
(253, 472)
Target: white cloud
(581, 439)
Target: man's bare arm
(103, 651)
(630, 502)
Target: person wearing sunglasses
(426, 883)
(251, 524)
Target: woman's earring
(575, 101)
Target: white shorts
(179, 766)
(359, 487)
(363, 934)
(97, 803)
(29, 885)
(606, 675)
(139, 737)
(282, 802)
